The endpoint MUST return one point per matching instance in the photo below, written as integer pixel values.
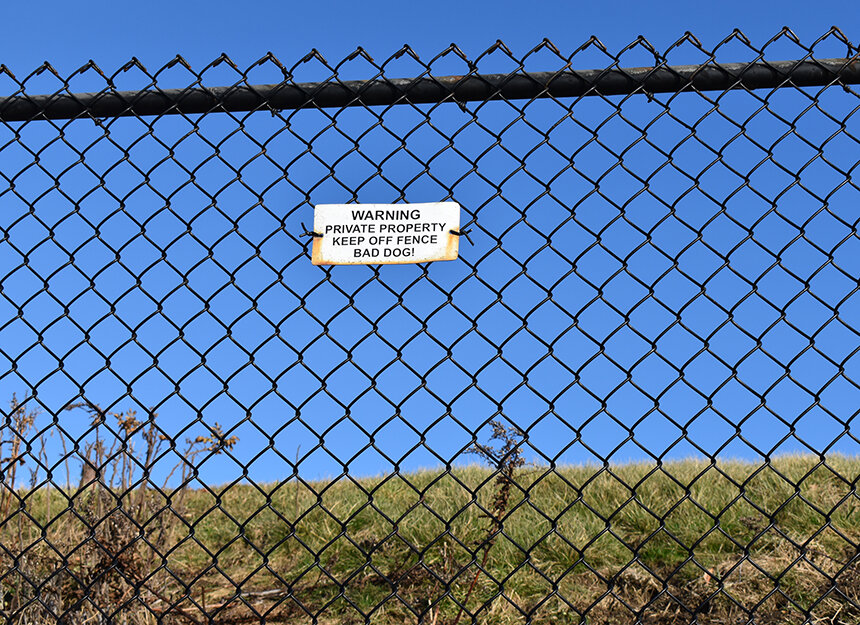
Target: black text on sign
(372, 234)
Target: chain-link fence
(630, 399)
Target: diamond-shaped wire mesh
(631, 399)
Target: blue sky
(69, 34)
(431, 386)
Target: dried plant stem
(506, 460)
(484, 559)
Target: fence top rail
(429, 90)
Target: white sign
(373, 234)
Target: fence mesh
(631, 399)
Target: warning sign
(372, 234)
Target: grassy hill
(672, 544)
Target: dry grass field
(688, 541)
(610, 545)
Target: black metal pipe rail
(467, 88)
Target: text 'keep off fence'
(632, 397)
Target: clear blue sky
(69, 35)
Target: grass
(688, 541)
(498, 543)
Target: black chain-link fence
(631, 399)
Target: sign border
(452, 246)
